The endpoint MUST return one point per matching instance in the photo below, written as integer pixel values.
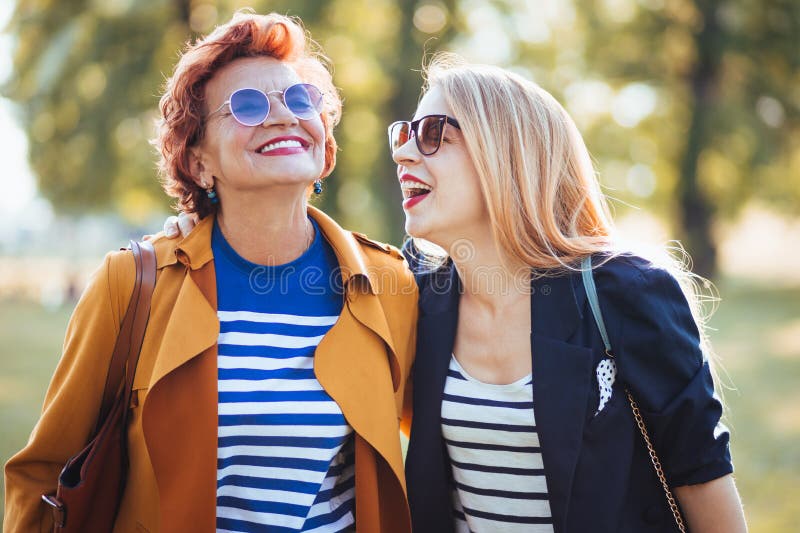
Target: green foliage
(719, 81)
(682, 102)
(88, 75)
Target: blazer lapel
(427, 469)
(561, 384)
(436, 335)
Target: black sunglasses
(427, 131)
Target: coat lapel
(180, 410)
(561, 384)
(356, 361)
(192, 328)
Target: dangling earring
(211, 193)
(318, 187)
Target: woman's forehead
(433, 103)
(264, 73)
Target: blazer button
(653, 514)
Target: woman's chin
(415, 228)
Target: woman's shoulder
(628, 271)
(642, 290)
(119, 267)
(381, 251)
(387, 268)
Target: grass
(757, 338)
(756, 334)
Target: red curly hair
(182, 106)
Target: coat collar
(180, 412)
(426, 467)
(440, 291)
(198, 290)
(557, 305)
(194, 250)
(348, 251)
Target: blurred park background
(691, 109)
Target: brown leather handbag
(90, 485)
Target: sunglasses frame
(414, 124)
(269, 105)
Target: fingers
(171, 229)
(186, 223)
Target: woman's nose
(407, 153)
(279, 114)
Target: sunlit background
(691, 109)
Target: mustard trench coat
(363, 363)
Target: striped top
(285, 459)
(491, 438)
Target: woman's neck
(487, 277)
(267, 230)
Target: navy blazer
(599, 475)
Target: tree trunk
(406, 67)
(401, 107)
(695, 208)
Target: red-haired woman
(270, 382)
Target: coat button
(653, 514)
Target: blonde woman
(521, 421)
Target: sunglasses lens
(399, 135)
(303, 100)
(429, 134)
(249, 106)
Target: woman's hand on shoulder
(177, 226)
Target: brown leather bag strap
(131, 332)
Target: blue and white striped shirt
(496, 460)
(285, 459)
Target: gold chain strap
(673, 505)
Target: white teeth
(410, 185)
(414, 188)
(280, 144)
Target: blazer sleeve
(72, 401)
(660, 360)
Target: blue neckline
(221, 244)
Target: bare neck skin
(494, 322)
(490, 281)
(267, 228)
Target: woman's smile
(414, 190)
(285, 145)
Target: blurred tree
(425, 27)
(88, 73)
(689, 105)
(727, 76)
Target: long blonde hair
(544, 201)
(545, 206)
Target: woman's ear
(198, 168)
